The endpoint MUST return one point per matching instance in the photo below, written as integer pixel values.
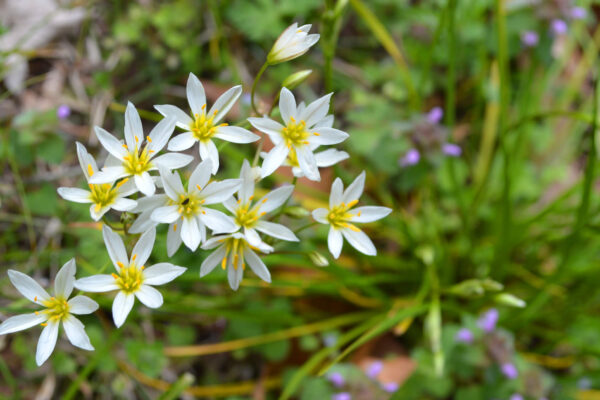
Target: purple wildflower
(509, 370)
(451, 149)
(63, 111)
(516, 396)
(336, 379)
(530, 38)
(390, 387)
(578, 13)
(435, 115)
(341, 396)
(411, 157)
(464, 336)
(488, 320)
(374, 369)
(559, 27)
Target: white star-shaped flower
(58, 309)
(300, 136)
(132, 279)
(341, 217)
(248, 215)
(136, 157)
(186, 211)
(292, 43)
(233, 251)
(103, 196)
(204, 125)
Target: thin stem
(260, 72)
(297, 231)
(281, 210)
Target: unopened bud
(491, 285)
(510, 300)
(426, 254)
(468, 288)
(296, 79)
(318, 259)
(296, 212)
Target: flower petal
(190, 233)
(171, 183)
(149, 296)
(307, 163)
(97, 283)
(247, 184)
(320, 215)
(145, 183)
(82, 305)
(257, 265)
(360, 241)
(173, 238)
(21, 322)
(335, 242)
(195, 95)
(369, 213)
(328, 136)
(214, 259)
(276, 198)
(355, 190)
(330, 157)
(143, 222)
(29, 288)
(217, 221)
(162, 273)
(142, 249)
(115, 247)
(166, 215)
(208, 151)
(122, 204)
(173, 160)
(218, 192)
(86, 161)
(200, 176)
(63, 282)
(287, 106)
(234, 275)
(337, 193)
(268, 126)
(236, 134)
(252, 237)
(215, 241)
(133, 127)
(160, 134)
(76, 333)
(225, 102)
(46, 343)
(316, 111)
(182, 142)
(109, 175)
(110, 143)
(274, 159)
(182, 119)
(276, 230)
(121, 307)
(75, 194)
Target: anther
(90, 170)
(136, 139)
(115, 275)
(44, 324)
(317, 134)
(224, 262)
(120, 264)
(37, 313)
(251, 197)
(174, 227)
(133, 257)
(149, 139)
(203, 107)
(35, 298)
(124, 145)
(199, 187)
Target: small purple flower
(530, 38)
(578, 13)
(341, 396)
(390, 387)
(246, 99)
(464, 336)
(374, 369)
(411, 157)
(559, 27)
(488, 320)
(451, 149)
(516, 396)
(435, 115)
(63, 111)
(509, 370)
(336, 379)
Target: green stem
(282, 209)
(260, 72)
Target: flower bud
(318, 259)
(296, 79)
(296, 212)
(292, 43)
(510, 300)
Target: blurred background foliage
(513, 219)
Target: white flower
(203, 126)
(292, 43)
(58, 309)
(303, 132)
(135, 159)
(233, 251)
(248, 216)
(103, 196)
(186, 212)
(132, 279)
(340, 216)
(145, 207)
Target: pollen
(137, 162)
(246, 217)
(203, 127)
(57, 309)
(90, 169)
(339, 215)
(129, 279)
(149, 139)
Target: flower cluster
(141, 176)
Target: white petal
(218, 192)
(200, 176)
(307, 163)
(230, 204)
(96, 283)
(171, 183)
(369, 213)
(160, 134)
(217, 221)
(162, 273)
(115, 247)
(247, 185)
(82, 305)
(143, 222)
(86, 161)
(330, 157)
(328, 136)
(208, 151)
(149, 296)
(149, 204)
(335, 242)
(354, 191)
(122, 204)
(235, 134)
(225, 102)
(320, 215)
(287, 106)
(276, 230)
(75, 194)
(215, 258)
(337, 193)
(195, 94)
(268, 126)
(252, 237)
(173, 238)
(166, 215)
(326, 122)
(29, 288)
(169, 111)
(109, 175)
(182, 142)
(173, 160)
(274, 159)
(96, 213)
(257, 265)
(145, 183)
(76, 333)
(190, 234)
(46, 343)
(360, 241)
(142, 249)
(316, 111)
(215, 242)
(63, 282)
(234, 275)
(121, 307)
(133, 127)
(21, 322)
(275, 198)
(110, 143)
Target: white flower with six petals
(292, 43)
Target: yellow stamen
(133, 257)
(251, 197)
(90, 170)
(124, 145)
(224, 262)
(44, 324)
(352, 203)
(121, 183)
(115, 275)
(35, 298)
(37, 313)
(203, 107)
(199, 187)
(120, 264)
(317, 134)
(136, 139)
(264, 200)
(149, 139)
(174, 227)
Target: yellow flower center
(293, 158)
(57, 308)
(203, 126)
(235, 249)
(295, 134)
(339, 214)
(136, 162)
(130, 278)
(189, 205)
(247, 217)
(103, 194)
